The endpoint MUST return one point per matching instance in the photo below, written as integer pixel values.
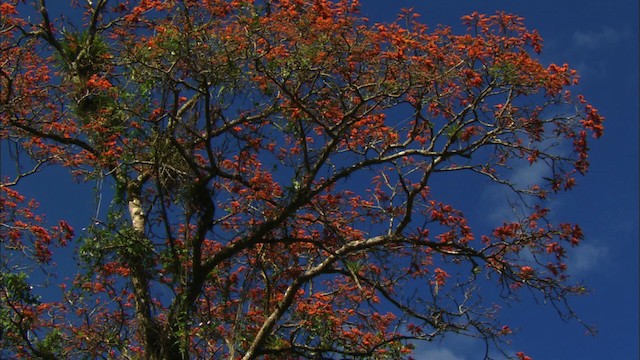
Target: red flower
(522, 356)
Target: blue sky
(600, 40)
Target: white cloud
(501, 209)
(436, 354)
(587, 257)
(503, 198)
(594, 39)
(451, 347)
(526, 175)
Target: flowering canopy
(271, 164)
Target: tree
(271, 167)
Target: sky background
(600, 40)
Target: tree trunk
(158, 343)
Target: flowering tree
(271, 165)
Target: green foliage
(98, 243)
(453, 131)
(52, 343)
(504, 72)
(103, 243)
(83, 54)
(15, 293)
(16, 288)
